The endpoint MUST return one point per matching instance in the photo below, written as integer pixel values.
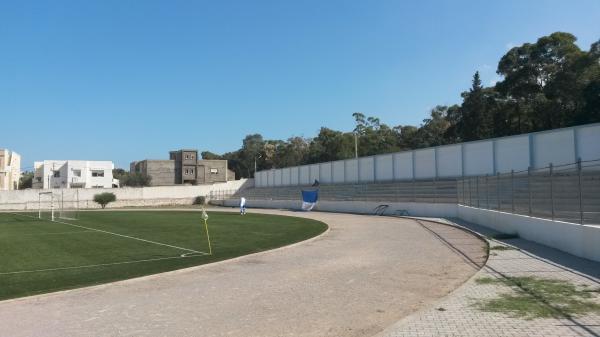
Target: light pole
(255, 164)
(355, 144)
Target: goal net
(62, 204)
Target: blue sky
(129, 80)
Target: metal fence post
(552, 190)
(529, 187)
(435, 190)
(477, 190)
(580, 191)
(487, 192)
(464, 201)
(498, 190)
(512, 190)
(470, 194)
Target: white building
(10, 170)
(73, 174)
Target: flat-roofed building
(73, 174)
(183, 167)
(10, 170)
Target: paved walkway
(456, 315)
(363, 275)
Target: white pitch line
(121, 235)
(101, 264)
(55, 233)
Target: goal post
(62, 204)
(69, 204)
(46, 204)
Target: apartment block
(10, 170)
(183, 167)
(73, 174)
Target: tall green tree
(547, 84)
(476, 120)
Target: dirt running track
(361, 276)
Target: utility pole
(255, 157)
(355, 144)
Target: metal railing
(221, 194)
(431, 191)
(569, 192)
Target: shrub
(200, 200)
(104, 198)
(134, 179)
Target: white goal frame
(51, 204)
(57, 203)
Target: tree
(132, 179)
(26, 180)
(330, 145)
(105, 198)
(210, 156)
(475, 121)
(433, 130)
(548, 84)
(294, 152)
(253, 148)
(545, 81)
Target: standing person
(242, 206)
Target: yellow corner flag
(205, 218)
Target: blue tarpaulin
(309, 199)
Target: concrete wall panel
(425, 164)
(588, 141)
(325, 173)
(351, 171)
(512, 153)
(403, 165)
(556, 147)
(314, 173)
(294, 177)
(304, 175)
(271, 178)
(384, 167)
(449, 161)
(278, 178)
(367, 169)
(285, 178)
(478, 158)
(338, 172)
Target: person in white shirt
(242, 206)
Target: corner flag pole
(205, 218)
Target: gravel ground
(358, 278)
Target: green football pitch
(39, 256)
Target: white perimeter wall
(499, 155)
(127, 196)
(579, 240)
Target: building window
(191, 171)
(77, 173)
(191, 156)
(186, 171)
(187, 156)
(56, 174)
(97, 173)
(214, 171)
(39, 179)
